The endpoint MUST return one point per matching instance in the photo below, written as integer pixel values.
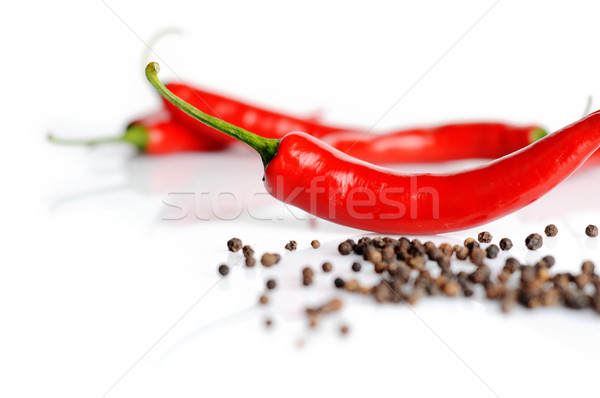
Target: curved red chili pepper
(454, 141)
(481, 140)
(266, 123)
(156, 134)
(307, 173)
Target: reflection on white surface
(225, 331)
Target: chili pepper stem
(266, 147)
(135, 135)
(537, 134)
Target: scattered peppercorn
(407, 276)
(461, 252)
(315, 244)
(329, 307)
(345, 248)
(534, 241)
(292, 245)
(268, 322)
(506, 244)
(269, 259)
(512, 264)
(588, 268)
(480, 275)
(307, 276)
(344, 330)
(352, 285)
(247, 251)
(591, 231)
(271, 284)
(548, 261)
(477, 256)
(484, 237)
(250, 262)
(223, 269)
(447, 249)
(451, 288)
(551, 230)
(492, 251)
(472, 245)
(234, 244)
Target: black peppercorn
(234, 244)
(292, 245)
(269, 259)
(356, 267)
(477, 256)
(587, 268)
(345, 248)
(591, 231)
(271, 284)
(339, 283)
(534, 241)
(551, 230)
(250, 262)
(492, 251)
(223, 269)
(484, 237)
(327, 267)
(506, 244)
(247, 251)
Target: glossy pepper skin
(156, 134)
(264, 122)
(325, 182)
(302, 171)
(166, 136)
(483, 140)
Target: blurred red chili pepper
(307, 173)
(435, 144)
(266, 123)
(449, 142)
(156, 134)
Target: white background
(92, 276)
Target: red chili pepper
(156, 134)
(302, 171)
(455, 141)
(266, 123)
(436, 144)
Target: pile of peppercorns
(406, 273)
(405, 277)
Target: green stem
(537, 134)
(266, 147)
(135, 134)
(90, 142)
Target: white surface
(89, 282)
